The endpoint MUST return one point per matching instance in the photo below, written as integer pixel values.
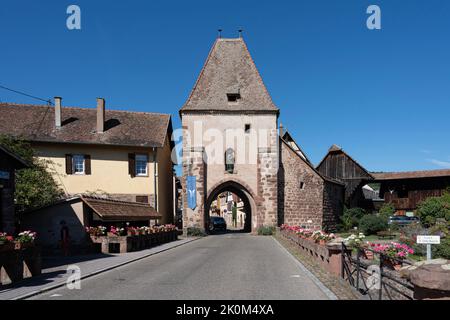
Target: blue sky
(383, 95)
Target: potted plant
(116, 232)
(25, 239)
(355, 241)
(394, 253)
(96, 231)
(6, 242)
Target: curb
(93, 273)
(310, 275)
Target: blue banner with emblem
(191, 192)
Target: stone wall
(333, 197)
(300, 191)
(267, 189)
(194, 165)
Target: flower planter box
(11, 267)
(9, 246)
(23, 245)
(327, 255)
(134, 242)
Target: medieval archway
(243, 193)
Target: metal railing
(385, 283)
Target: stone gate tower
(230, 138)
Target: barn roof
(337, 149)
(411, 174)
(229, 69)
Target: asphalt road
(228, 266)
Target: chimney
(100, 115)
(58, 112)
(281, 130)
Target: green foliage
(371, 224)
(442, 250)
(387, 210)
(351, 217)
(434, 208)
(195, 232)
(35, 186)
(266, 230)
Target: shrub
(387, 210)
(351, 218)
(442, 250)
(266, 230)
(195, 232)
(434, 208)
(371, 224)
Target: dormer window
(233, 97)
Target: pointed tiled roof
(229, 69)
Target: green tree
(387, 210)
(35, 186)
(434, 208)
(351, 217)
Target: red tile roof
(125, 128)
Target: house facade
(120, 155)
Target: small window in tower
(247, 128)
(233, 97)
(302, 185)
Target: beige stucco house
(122, 155)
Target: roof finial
(220, 33)
(240, 32)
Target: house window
(233, 97)
(78, 164)
(247, 128)
(141, 165)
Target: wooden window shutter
(87, 164)
(69, 167)
(132, 164)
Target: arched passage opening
(223, 198)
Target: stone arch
(243, 191)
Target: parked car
(217, 223)
(402, 220)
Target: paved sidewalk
(55, 274)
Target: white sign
(429, 239)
